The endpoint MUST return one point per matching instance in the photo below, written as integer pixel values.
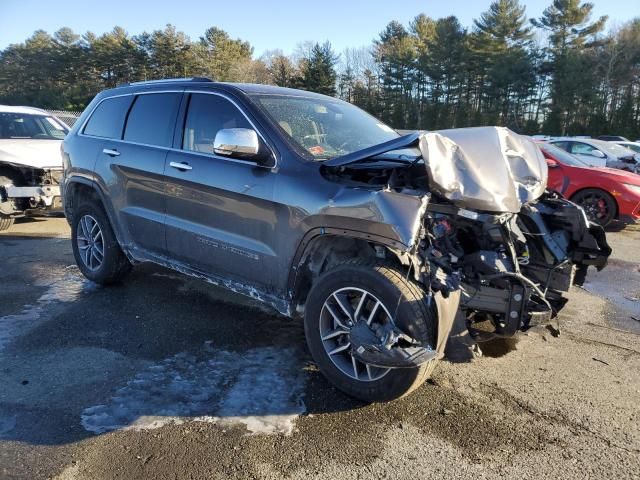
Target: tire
(386, 284)
(5, 222)
(599, 206)
(107, 268)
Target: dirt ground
(166, 377)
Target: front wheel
(375, 293)
(599, 206)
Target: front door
(585, 152)
(220, 213)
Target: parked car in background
(311, 205)
(605, 194)
(635, 146)
(30, 162)
(600, 153)
(612, 138)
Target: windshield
(562, 155)
(631, 146)
(614, 149)
(27, 126)
(325, 128)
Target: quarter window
(152, 119)
(107, 119)
(562, 145)
(207, 115)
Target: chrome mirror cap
(241, 142)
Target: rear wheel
(373, 292)
(5, 222)
(599, 206)
(96, 250)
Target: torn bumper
(41, 197)
(392, 348)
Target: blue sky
(266, 24)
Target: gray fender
(93, 185)
(313, 235)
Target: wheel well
(615, 202)
(78, 193)
(328, 251)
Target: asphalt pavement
(165, 376)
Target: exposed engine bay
(511, 268)
(490, 231)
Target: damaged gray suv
(314, 207)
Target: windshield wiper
(406, 141)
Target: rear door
(220, 214)
(133, 169)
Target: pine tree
(217, 53)
(501, 39)
(396, 53)
(319, 70)
(572, 34)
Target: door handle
(180, 166)
(110, 152)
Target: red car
(604, 193)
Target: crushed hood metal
(484, 168)
(31, 153)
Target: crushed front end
(513, 268)
(491, 232)
(28, 190)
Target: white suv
(30, 162)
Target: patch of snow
(261, 397)
(65, 286)
(261, 388)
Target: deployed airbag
(484, 168)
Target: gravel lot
(167, 377)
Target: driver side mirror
(552, 163)
(598, 154)
(244, 144)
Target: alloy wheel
(340, 312)
(90, 242)
(595, 206)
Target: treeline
(557, 74)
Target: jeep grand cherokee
(307, 203)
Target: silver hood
(484, 168)
(480, 168)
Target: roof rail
(168, 80)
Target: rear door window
(207, 115)
(152, 119)
(107, 119)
